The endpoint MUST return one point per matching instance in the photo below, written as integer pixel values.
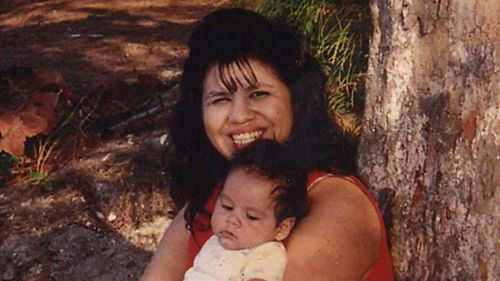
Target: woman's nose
(241, 110)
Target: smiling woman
(238, 109)
(246, 79)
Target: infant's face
(244, 213)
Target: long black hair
(233, 36)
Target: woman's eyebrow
(258, 85)
(212, 94)
(249, 87)
(252, 86)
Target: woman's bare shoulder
(338, 189)
(339, 237)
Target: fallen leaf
(12, 140)
(35, 116)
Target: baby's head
(263, 197)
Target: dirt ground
(104, 218)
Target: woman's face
(258, 108)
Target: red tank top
(381, 270)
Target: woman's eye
(258, 94)
(219, 100)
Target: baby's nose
(233, 220)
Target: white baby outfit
(214, 263)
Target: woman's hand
(169, 262)
(339, 239)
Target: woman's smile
(256, 106)
(243, 139)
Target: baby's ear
(284, 228)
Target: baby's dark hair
(272, 160)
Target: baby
(261, 200)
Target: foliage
(328, 34)
(7, 161)
(11, 166)
(52, 124)
(38, 115)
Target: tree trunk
(430, 138)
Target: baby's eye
(252, 218)
(227, 207)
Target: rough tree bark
(430, 138)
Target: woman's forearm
(169, 263)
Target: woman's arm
(169, 262)
(339, 239)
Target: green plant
(41, 180)
(43, 152)
(46, 149)
(328, 36)
(7, 162)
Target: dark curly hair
(272, 160)
(233, 36)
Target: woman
(246, 79)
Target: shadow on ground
(109, 205)
(90, 42)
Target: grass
(329, 35)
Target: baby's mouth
(227, 235)
(244, 139)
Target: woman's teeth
(246, 138)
